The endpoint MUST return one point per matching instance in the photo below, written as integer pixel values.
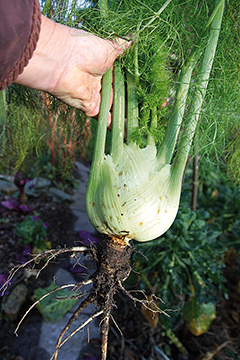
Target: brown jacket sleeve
(20, 22)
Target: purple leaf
(24, 253)
(35, 218)
(88, 238)
(24, 208)
(13, 205)
(3, 280)
(10, 204)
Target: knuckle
(87, 93)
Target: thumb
(120, 45)
(117, 48)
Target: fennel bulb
(135, 199)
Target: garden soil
(131, 336)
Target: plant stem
(156, 16)
(176, 341)
(195, 182)
(168, 145)
(52, 129)
(103, 6)
(150, 138)
(99, 148)
(132, 106)
(118, 117)
(47, 7)
(203, 79)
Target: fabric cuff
(29, 49)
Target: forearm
(39, 74)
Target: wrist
(41, 71)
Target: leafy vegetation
(54, 307)
(32, 230)
(2, 107)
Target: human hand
(69, 64)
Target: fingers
(80, 82)
(92, 107)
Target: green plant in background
(185, 266)
(32, 231)
(186, 262)
(18, 137)
(220, 197)
(55, 305)
(42, 168)
(38, 124)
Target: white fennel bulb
(135, 198)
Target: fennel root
(112, 258)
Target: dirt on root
(131, 336)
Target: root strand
(38, 301)
(91, 318)
(105, 324)
(84, 304)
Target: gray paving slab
(50, 332)
(83, 171)
(4, 183)
(71, 349)
(78, 202)
(82, 222)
